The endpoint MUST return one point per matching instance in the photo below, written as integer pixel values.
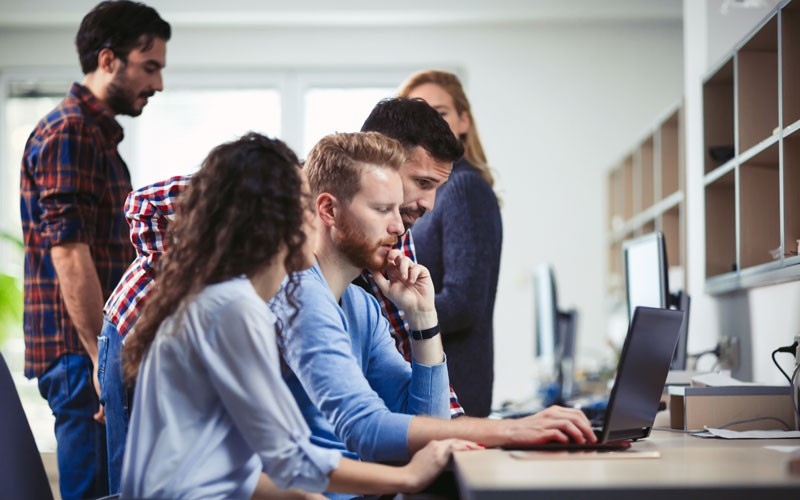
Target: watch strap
(425, 334)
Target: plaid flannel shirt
(73, 185)
(399, 326)
(148, 210)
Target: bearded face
(361, 250)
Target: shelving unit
(646, 193)
(751, 113)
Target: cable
(795, 396)
(747, 421)
(696, 356)
(791, 349)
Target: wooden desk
(687, 466)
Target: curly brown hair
(242, 208)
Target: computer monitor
(555, 334)
(646, 272)
(647, 284)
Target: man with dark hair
(72, 189)
(431, 148)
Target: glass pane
(179, 127)
(330, 110)
(22, 115)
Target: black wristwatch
(425, 334)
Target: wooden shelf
(671, 153)
(750, 195)
(757, 86)
(791, 200)
(721, 225)
(759, 201)
(646, 184)
(645, 190)
(718, 116)
(790, 62)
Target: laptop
(641, 373)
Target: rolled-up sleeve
(243, 365)
(71, 178)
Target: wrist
(408, 482)
(422, 320)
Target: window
(329, 110)
(178, 128)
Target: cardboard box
(694, 408)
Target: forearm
(487, 432)
(369, 479)
(266, 490)
(81, 291)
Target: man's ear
(107, 61)
(327, 205)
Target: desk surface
(686, 465)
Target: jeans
(115, 398)
(81, 446)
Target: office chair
(22, 473)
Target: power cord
(715, 351)
(791, 349)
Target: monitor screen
(546, 310)
(646, 272)
(556, 332)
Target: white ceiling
(198, 13)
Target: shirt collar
(97, 111)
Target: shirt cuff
(392, 446)
(429, 392)
(311, 473)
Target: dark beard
(419, 213)
(120, 99)
(361, 252)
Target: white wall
(557, 104)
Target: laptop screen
(641, 373)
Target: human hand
(409, 286)
(555, 423)
(429, 462)
(100, 416)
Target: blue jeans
(81, 446)
(115, 397)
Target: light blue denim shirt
(211, 410)
(354, 388)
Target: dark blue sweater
(459, 241)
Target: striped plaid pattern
(400, 329)
(73, 184)
(148, 211)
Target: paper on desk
(728, 434)
(584, 455)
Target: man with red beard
(72, 189)
(355, 390)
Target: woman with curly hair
(212, 416)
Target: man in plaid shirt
(431, 149)
(148, 211)
(72, 187)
